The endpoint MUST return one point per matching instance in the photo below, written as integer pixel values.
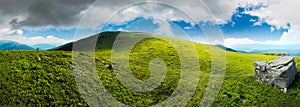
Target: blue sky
(61, 33)
(245, 25)
(241, 25)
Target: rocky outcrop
(280, 72)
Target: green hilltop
(36, 78)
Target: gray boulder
(76, 70)
(280, 72)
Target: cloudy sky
(245, 25)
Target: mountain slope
(29, 74)
(105, 40)
(226, 48)
(11, 45)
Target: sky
(245, 25)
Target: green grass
(26, 80)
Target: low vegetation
(44, 77)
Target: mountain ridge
(12, 45)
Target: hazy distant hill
(293, 52)
(226, 48)
(44, 46)
(11, 45)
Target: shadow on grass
(296, 82)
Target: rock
(280, 72)
(227, 96)
(39, 58)
(76, 70)
(81, 53)
(243, 99)
(110, 67)
(213, 86)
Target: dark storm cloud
(67, 13)
(41, 13)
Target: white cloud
(279, 13)
(275, 13)
(232, 42)
(288, 38)
(8, 31)
(101, 12)
(232, 24)
(16, 35)
(164, 28)
(292, 37)
(219, 11)
(187, 27)
(272, 29)
(121, 29)
(252, 20)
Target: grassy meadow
(43, 77)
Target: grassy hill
(44, 78)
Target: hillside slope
(43, 77)
(105, 40)
(226, 48)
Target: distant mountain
(44, 46)
(105, 40)
(293, 52)
(226, 48)
(11, 45)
